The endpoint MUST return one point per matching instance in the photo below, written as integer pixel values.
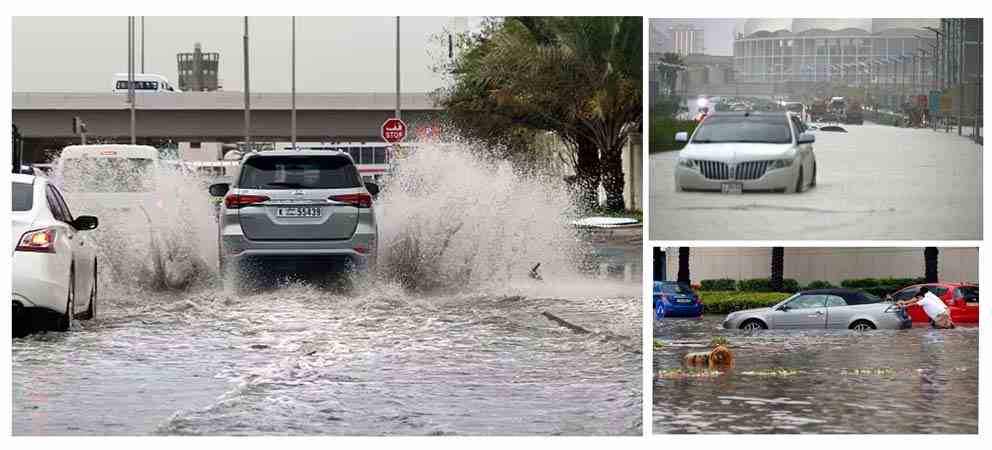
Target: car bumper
(676, 310)
(772, 180)
(357, 253)
(36, 283)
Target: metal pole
(142, 44)
(397, 67)
(293, 116)
(247, 91)
(961, 61)
(130, 72)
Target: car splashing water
(912, 381)
(470, 345)
(157, 230)
(451, 220)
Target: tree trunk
(587, 175)
(778, 267)
(684, 266)
(659, 263)
(613, 180)
(930, 264)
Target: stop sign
(393, 130)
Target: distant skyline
(333, 54)
(718, 33)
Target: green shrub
(818, 284)
(765, 285)
(662, 133)
(724, 302)
(720, 284)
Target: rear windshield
(670, 288)
(772, 129)
(108, 175)
(299, 172)
(23, 196)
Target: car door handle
(817, 314)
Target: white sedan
(747, 151)
(54, 263)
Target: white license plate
(732, 188)
(683, 300)
(298, 212)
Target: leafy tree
(930, 264)
(683, 276)
(778, 267)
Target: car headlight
(781, 163)
(687, 163)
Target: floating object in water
(719, 357)
(682, 374)
(605, 222)
(534, 273)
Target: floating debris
(682, 374)
(776, 372)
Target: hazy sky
(718, 34)
(333, 54)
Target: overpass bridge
(44, 119)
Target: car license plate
(298, 212)
(683, 300)
(732, 188)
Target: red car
(961, 300)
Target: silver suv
(295, 211)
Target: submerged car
(961, 300)
(54, 278)
(733, 152)
(295, 211)
(823, 309)
(676, 300)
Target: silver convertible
(823, 309)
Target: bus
(143, 82)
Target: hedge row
(877, 286)
(662, 133)
(752, 285)
(724, 302)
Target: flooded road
(302, 361)
(910, 381)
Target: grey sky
(718, 34)
(333, 54)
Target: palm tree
(778, 267)
(683, 276)
(930, 264)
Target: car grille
(713, 170)
(751, 170)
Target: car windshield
(674, 288)
(299, 172)
(108, 175)
(772, 129)
(22, 196)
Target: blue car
(675, 300)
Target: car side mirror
(372, 188)
(784, 308)
(681, 136)
(219, 189)
(85, 223)
(807, 138)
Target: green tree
(930, 255)
(683, 276)
(778, 268)
(578, 77)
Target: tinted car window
(833, 300)
(299, 172)
(939, 291)
(861, 298)
(22, 196)
(670, 288)
(905, 294)
(969, 293)
(54, 206)
(808, 301)
(739, 128)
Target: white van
(143, 82)
(109, 175)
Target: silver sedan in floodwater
(823, 309)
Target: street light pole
(142, 44)
(130, 72)
(293, 125)
(247, 91)
(397, 67)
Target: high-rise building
(198, 70)
(687, 40)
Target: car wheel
(678, 187)
(862, 325)
(753, 325)
(70, 303)
(91, 309)
(812, 180)
(799, 181)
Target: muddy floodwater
(910, 381)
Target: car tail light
(359, 200)
(235, 201)
(37, 241)
(361, 249)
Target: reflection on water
(911, 381)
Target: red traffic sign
(393, 130)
